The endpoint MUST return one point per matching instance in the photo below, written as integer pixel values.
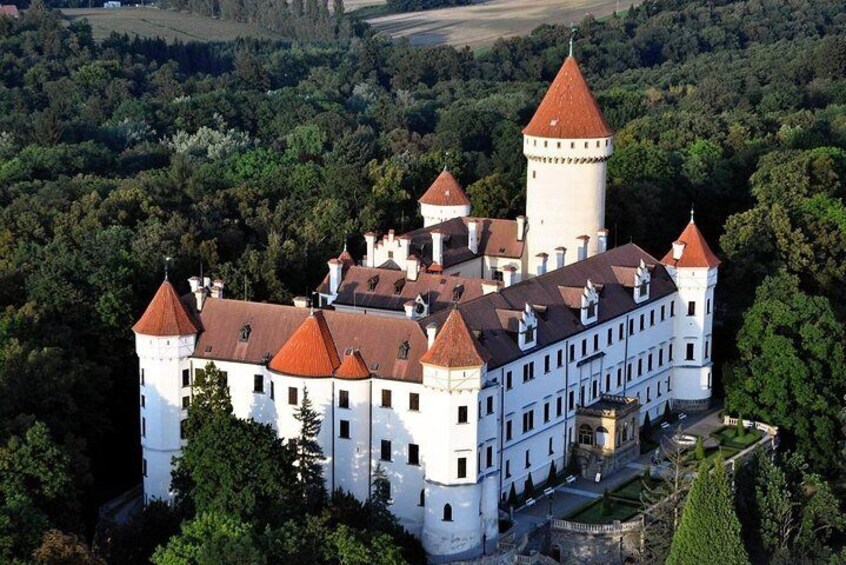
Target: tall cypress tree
(709, 531)
(309, 455)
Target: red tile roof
(497, 238)
(346, 258)
(454, 346)
(353, 367)
(166, 315)
(10, 10)
(696, 252)
(445, 191)
(569, 110)
(309, 352)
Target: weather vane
(167, 264)
(573, 29)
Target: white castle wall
(565, 195)
(438, 214)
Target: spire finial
(167, 264)
(691, 213)
(573, 29)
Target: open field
(151, 22)
(483, 23)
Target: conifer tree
(512, 496)
(699, 450)
(710, 530)
(553, 472)
(309, 454)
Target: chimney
(410, 309)
(542, 257)
(438, 247)
(559, 256)
(200, 297)
(301, 301)
(194, 282)
(217, 289)
(206, 282)
(412, 268)
(336, 269)
(370, 260)
(508, 275)
(602, 241)
(473, 236)
(431, 333)
(678, 249)
(583, 248)
(521, 227)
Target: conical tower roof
(353, 367)
(166, 315)
(695, 251)
(445, 191)
(309, 352)
(454, 346)
(569, 110)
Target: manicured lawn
(592, 513)
(728, 437)
(632, 489)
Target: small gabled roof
(454, 346)
(309, 352)
(696, 252)
(445, 191)
(166, 315)
(353, 367)
(569, 110)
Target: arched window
(447, 513)
(585, 435)
(625, 432)
(602, 437)
(422, 498)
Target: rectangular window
(660, 357)
(528, 372)
(639, 367)
(571, 400)
(489, 456)
(546, 412)
(659, 388)
(344, 431)
(559, 405)
(508, 381)
(462, 467)
(528, 459)
(621, 331)
(462, 414)
(414, 401)
(595, 342)
(610, 337)
(258, 384)
(584, 347)
(142, 377)
(385, 454)
(508, 431)
(386, 398)
(182, 429)
(143, 401)
(619, 378)
(528, 421)
(143, 427)
(293, 396)
(652, 318)
(691, 308)
(144, 467)
(608, 382)
(551, 451)
(572, 352)
(628, 372)
(186, 377)
(663, 312)
(670, 352)
(595, 386)
(649, 394)
(186, 402)
(490, 405)
(272, 390)
(688, 356)
(641, 322)
(649, 362)
(413, 454)
(343, 399)
(631, 327)
(507, 469)
(672, 308)
(560, 357)
(707, 348)
(546, 364)
(708, 306)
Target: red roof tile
(453, 346)
(569, 110)
(165, 315)
(309, 352)
(10, 10)
(346, 258)
(353, 367)
(696, 252)
(445, 191)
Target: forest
(256, 161)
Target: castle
(463, 357)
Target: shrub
(741, 431)
(530, 487)
(553, 472)
(699, 451)
(606, 503)
(512, 496)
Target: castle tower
(165, 337)
(693, 267)
(443, 201)
(567, 144)
(460, 498)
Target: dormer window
(244, 333)
(421, 307)
(402, 353)
(457, 292)
(590, 304)
(641, 283)
(398, 286)
(372, 282)
(528, 330)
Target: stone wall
(589, 544)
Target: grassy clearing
(591, 513)
(728, 437)
(633, 489)
(170, 26)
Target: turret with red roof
(444, 200)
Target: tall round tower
(567, 144)
(165, 338)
